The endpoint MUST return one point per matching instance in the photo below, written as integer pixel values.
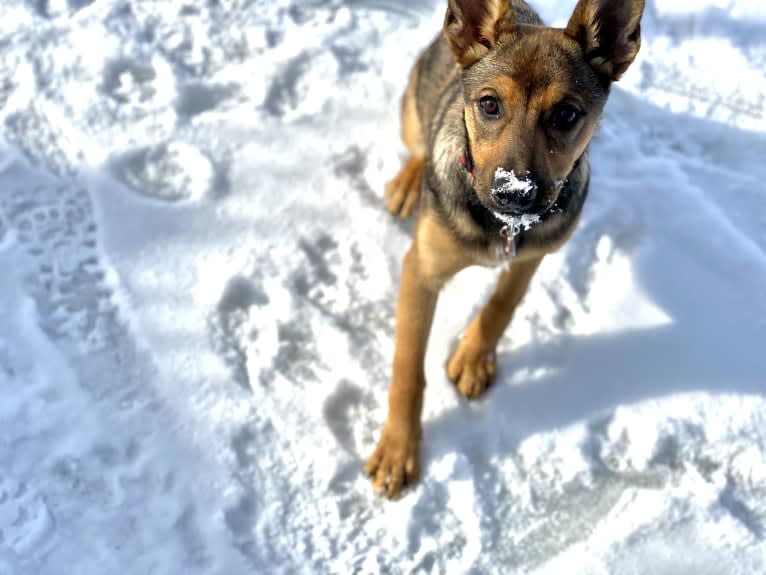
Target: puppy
(497, 117)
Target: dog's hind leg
(472, 366)
(403, 191)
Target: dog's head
(533, 95)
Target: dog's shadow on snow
(709, 347)
(713, 341)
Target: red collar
(467, 162)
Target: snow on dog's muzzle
(511, 193)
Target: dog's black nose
(513, 194)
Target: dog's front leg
(394, 464)
(472, 366)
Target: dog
(497, 117)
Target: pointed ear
(473, 27)
(609, 32)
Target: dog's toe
(472, 371)
(472, 385)
(394, 463)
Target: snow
(197, 289)
(512, 183)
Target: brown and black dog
(497, 117)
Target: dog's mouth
(521, 222)
(514, 222)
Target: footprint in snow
(170, 172)
(55, 225)
(136, 86)
(345, 410)
(25, 520)
(196, 98)
(293, 94)
(126, 80)
(56, 8)
(229, 327)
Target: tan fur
(412, 129)
(432, 260)
(403, 190)
(487, 150)
(530, 72)
(472, 366)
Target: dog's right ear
(473, 27)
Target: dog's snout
(513, 194)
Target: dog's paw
(394, 464)
(403, 191)
(472, 370)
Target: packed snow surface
(197, 290)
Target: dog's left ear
(609, 32)
(473, 27)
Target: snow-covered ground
(197, 285)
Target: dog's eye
(565, 117)
(490, 106)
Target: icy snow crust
(197, 289)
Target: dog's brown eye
(490, 106)
(565, 117)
